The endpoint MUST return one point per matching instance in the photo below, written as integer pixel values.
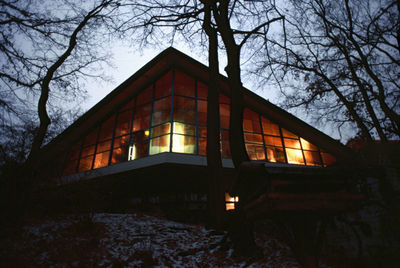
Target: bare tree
(46, 51)
(340, 63)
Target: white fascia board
(153, 160)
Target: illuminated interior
(170, 115)
(230, 201)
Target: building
(149, 136)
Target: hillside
(128, 240)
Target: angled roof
(172, 58)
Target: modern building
(149, 135)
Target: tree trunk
(236, 139)
(216, 206)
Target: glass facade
(170, 115)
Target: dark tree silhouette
(340, 63)
(45, 55)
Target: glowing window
(275, 154)
(292, 143)
(270, 140)
(138, 150)
(308, 146)
(121, 138)
(255, 152)
(159, 145)
(183, 144)
(230, 202)
(253, 138)
(294, 156)
(101, 160)
(160, 130)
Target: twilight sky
(127, 61)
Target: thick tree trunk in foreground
(216, 206)
(236, 139)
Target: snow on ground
(129, 240)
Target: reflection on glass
(294, 156)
